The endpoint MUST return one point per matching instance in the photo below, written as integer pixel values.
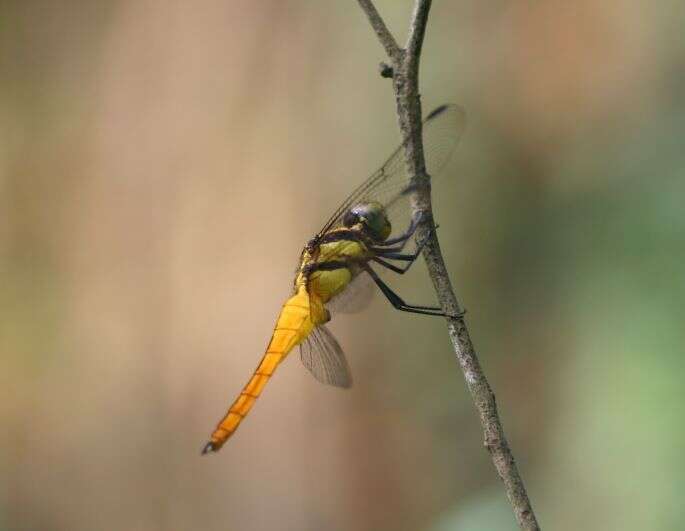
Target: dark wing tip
(446, 107)
(437, 111)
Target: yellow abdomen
(300, 314)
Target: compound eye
(351, 218)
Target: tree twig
(405, 69)
(378, 25)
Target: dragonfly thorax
(372, 218)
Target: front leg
(394, 254)
(402, 239)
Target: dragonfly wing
(355, 297)
(389, 185)
(324, 358)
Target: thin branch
(417, 30)
(384, 36)
(405, 84)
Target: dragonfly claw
(458, 315)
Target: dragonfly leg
(397, 301)
(404, 237)
(392, 255)
(388, 265)
(381, 250)
(384, 247)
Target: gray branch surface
(405, 74)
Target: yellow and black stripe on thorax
(330, 261)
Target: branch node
(385, 70)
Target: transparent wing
(355, 297)
(442, 130)
(324, 358)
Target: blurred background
(161, 166)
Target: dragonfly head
(372, 217)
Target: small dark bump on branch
(386, 70)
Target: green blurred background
(161, 165)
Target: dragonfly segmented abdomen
(295, 323)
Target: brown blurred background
(161, 165)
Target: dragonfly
(353, 247)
